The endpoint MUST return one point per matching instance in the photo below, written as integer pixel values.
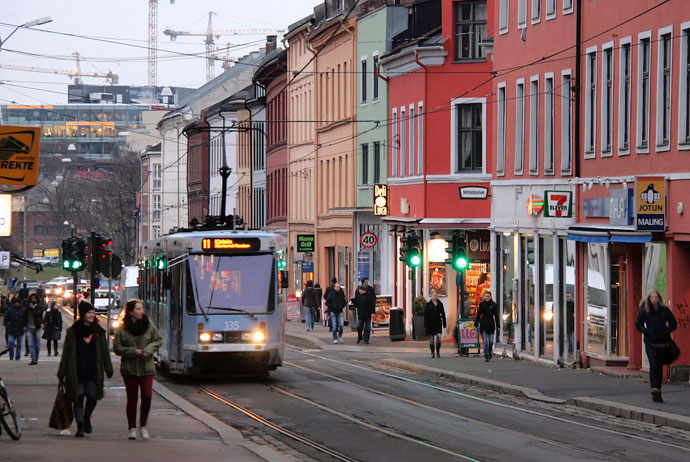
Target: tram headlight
(217, 337)
(204, 337)
(258, 336)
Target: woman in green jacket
(85, 357)
(136, 341)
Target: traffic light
(411, 250)
(404, 248)
(458, 251)
(282, 264)
(103, 253)
(160, 262)
(72, 254)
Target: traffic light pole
(93, 262)
(75, 281)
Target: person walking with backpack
(136, 341)
(656, 322)
(52, 327)
(487, 323)
(85, 360)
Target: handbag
(670, 353)
(61, 417)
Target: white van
(129, 285)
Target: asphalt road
(347, 402)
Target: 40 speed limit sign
(368, 240)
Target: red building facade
(441, 144)
(197, 135)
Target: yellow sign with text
(650, 204)
(19, 151)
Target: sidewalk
(625, 397)
(179, 430)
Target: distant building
(126, 94)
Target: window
(375, 79)
(364, 80)
(550, 9)
(377, 162)
(156, 231)
(624, 98)
(503, 16)
(590, 102)
(536, 10)
(365, 164)
(663, 100)
(534, 125)
(470, 29)
(156, 206)
(469, 149)
(606, 99)
(410, 165)
(501, 142)
(403, 141)
(157, 176)
(566, 122)
(420, 139)
(395, 147)
(643, 94)
(522, 13)
(684, 97)
(567, 6)
(519, 126)
(548, 124)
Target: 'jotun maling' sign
(650, 204)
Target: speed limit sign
(368, 240)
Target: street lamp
(35, 22)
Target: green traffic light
(76, 265)
(66, 264)
(461, 263)
(415, 260)
(162, 263)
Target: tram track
(483, 400)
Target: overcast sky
(121, 27)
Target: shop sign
(380, 200)
(382, 316)
(467, 334)
(437, 278)
(535, 204)
(305, 243)
(368, 240)
(559, 204)
(307, 267)
(473, 192)
(650, 201)
(478, 246)
(620, 207)
(5, 215)
(292, 308)
(595, 207)
(362, 265)
(19, 148)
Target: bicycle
(8, 415)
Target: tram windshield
(224, 284)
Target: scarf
(136, 328)
(81, 329)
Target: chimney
(271, 43)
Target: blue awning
(639, 238)
(588, 238)
(602, 236)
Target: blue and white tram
(213, 295)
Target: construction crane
(210, 36)
(153, 42)
(75, 74)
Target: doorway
(527, 305)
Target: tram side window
(160, 278)
(190, 304)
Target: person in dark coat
(329, 289)
(52, 327)
(6, 307)
(656, 322)
(336, 302)
(365, 301)
(14, 327)
(434, 321)
(487, 323)
(33, 323)
(23, 293)
(310, 304)
(318, 295)
(85, 359)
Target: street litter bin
(396, 325)
(352, 315)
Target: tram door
(176, 314)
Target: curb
(495, 385)
(628, 411)
(304, 342)
(228, 435)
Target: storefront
(534, 269)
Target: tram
(213, 295)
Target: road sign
(4, 260)
(368, 240)
(114, 269)
(19, 148)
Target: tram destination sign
(229, 245)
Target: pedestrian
(14, 327)
(6, 307)
(656, 322)
(33, 323)
(570, 322)
(329, 289)
(336, 302)
(84, 361)
(365, 301)
(136, 341)
(52, 327)
(318, 295)
(23, 293)
(487, 323)
(310, 304)
(434, 320)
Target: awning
(605, 236)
